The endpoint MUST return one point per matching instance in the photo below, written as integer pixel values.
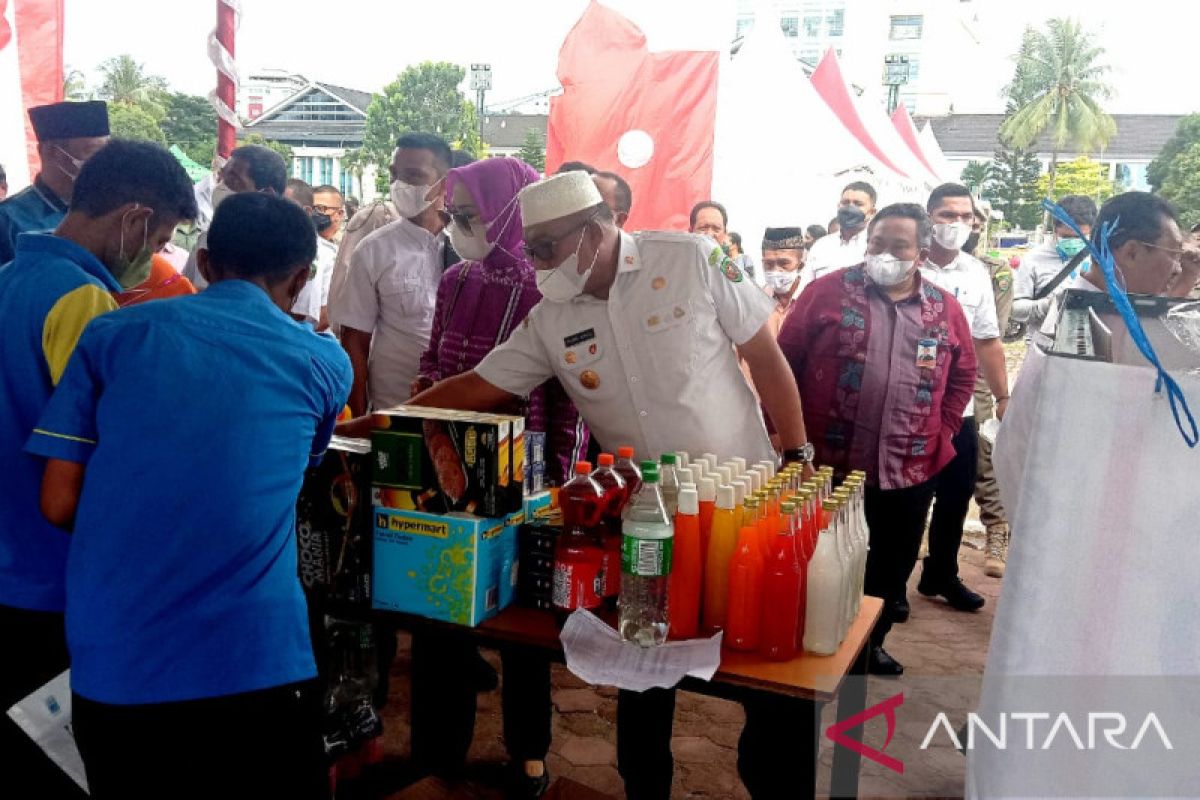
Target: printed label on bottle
(646, 558)
(576, 586)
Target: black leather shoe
(958, 596)
(881, 664)
(522, 786)
(898, 610)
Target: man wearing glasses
(328, 202)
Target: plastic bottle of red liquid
(745, 592)
(578, 561)
(628, 469)
(783, 582)
(616, 494)
(686, 568)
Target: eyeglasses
(1176, 254)
(327, 209)
(461, 218)
(544, 249)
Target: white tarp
(874, 115)
(1101, 494)
(932, 149)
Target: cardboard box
(535, 462)
(333, 525)
(441, 461)
(453, 567)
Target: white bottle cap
(725, 474)
(710, 459)
(707, 489)
(687, 485)
(741, 464)
(770, 465)
(733, 468)
(747, 485)
(725, 497)
(681, 459)
(697, 472)
(764, 475)
(739, 492)
(689, 501)
(756, 481)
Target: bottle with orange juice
(721, 545)
(745, 592)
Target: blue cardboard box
(451, 567)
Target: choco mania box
(440, 460)
(452, 567)
(333, 525)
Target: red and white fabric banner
(31, 74)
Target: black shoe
(958, 596)
(898, 610)
(882, 664)
(526, 787)
(483, 674)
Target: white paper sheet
(596, 654)
(45, 716)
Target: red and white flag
(648, 116)
(31, 74)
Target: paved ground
(935, 642)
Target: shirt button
(641, 413)
(633, 378)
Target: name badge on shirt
(579, 338)
(927, 353)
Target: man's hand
(419, 385)
(1001, 408)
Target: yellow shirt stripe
(65, 323)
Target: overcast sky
(365, 43)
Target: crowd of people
(153, 455)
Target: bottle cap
(739, 492)
(687, 485)
(667, 459)
(830, 504)
(707, 489)
(605, 460)
(697, 472)
(725, 474)
(733, 468)
(649, 472)
(709, 459)
(689, 500)
(825, 469)
(741, 464)
(755, 480)
(583, 467)
(750, 503)
(682, 459)
(624, 452)
(787, 508)
(725, 497)
(770, 466)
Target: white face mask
(951, 235)
(885, 269)
(564, 282)
(468, 245)
(781, 282)
(409, 199)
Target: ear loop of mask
(510, 208)
(145, 233)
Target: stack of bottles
(693, 546)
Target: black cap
(783, 239)
(70, 120)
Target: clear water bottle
(647, 541)
(668, 483)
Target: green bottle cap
(668, 458)
(649, 472)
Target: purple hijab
(494, 183)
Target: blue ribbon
(1102, 256)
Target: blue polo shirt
(34, 209)
(196, 417)
(48, 295)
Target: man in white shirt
(1041, 264)
(848, 246)
(644, 333)
(385, 308)
(310, 305)
(952, 211)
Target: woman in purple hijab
(480, 302)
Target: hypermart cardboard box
(439, 460)
(451, 567)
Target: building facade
(504, 134)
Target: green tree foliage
(74, 84)
(128, 121)
(1013, 186)
(533, 149)
(125, 81)
(1081, 176)
(1187, 134)
(1057, 89)
(191, 123)
(423, 98)
(975, 175)
(1181, 184)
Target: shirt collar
(245, 291)
(416, 230)
(958, 264)
(628, 260)
(31, 243)
(47, 195)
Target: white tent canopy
(933, 151)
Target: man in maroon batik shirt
(885, 364)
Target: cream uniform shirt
(654, 366)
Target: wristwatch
(805, 454)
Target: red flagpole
(226, 91)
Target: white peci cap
(689, 501)
(558, 196)
(725, 497)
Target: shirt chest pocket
(670, 334)
(589, 373)
(411, 295)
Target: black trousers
(33, 649)
(443, 701)
(955, 487)
(773, 737)
(258, 744)
(896, 518)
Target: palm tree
(74, 84)
(125, 81)
(1062, 81)
(975, 174)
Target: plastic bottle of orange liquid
(716, 567)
